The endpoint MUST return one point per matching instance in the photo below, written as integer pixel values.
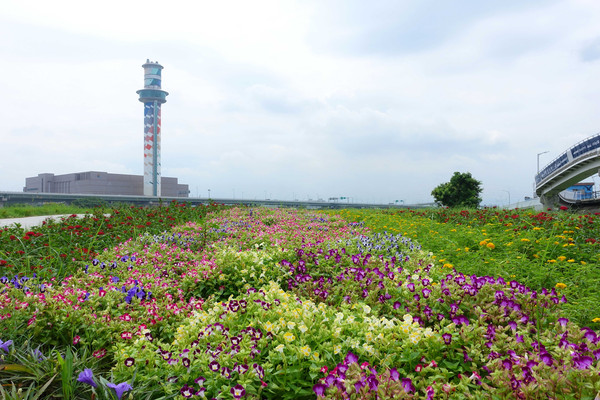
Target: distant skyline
(377, 101)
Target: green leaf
(15, 368)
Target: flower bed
(259, 303)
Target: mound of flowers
(287, 304)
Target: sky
(376, 101)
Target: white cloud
(375, 101)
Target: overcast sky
(373, 100)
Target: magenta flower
(394, 375)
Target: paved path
(28, 222)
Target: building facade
(96, 182)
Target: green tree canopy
(462, 191)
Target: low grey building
(96, 182)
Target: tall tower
(152, 96)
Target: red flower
(418, 368)
(99, 353)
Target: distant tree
(462, 191)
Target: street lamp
(538, 160)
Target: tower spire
(152, 96)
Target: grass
(24, 210)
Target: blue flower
(87, 376)
(120, 388)
(4, 345)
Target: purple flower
(411, 287)
(238, 391)
(582, 362)
(319, 389)
(187, 391)
(129, 362)
(546, 358)
(4, 345)
(447, 338)
(563, 322)
(351, 358)
(87, 376)
(214, 366)
(394, 375)
(359, 385)
(407, 385)
(120, 388)
(373, 382)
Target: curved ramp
(577, 163)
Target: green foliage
(462, 191)
(27, 210)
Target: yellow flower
(302, 328)
(289, 337)
(525, 240)
(570, 260)
(561, 258)
(596, 320)
(315, 356)
(280, 348)
(305, 350)
(491, 246)
(268, 326)
(560, 285)
(336, 349)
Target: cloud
(591, 51)
(390, 28)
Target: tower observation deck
(152, 96)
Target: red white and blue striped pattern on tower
(152, 96)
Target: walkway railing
(575, 152)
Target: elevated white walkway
(577, 163)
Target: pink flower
(126, 335)
(76, 339)
(99, 353)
